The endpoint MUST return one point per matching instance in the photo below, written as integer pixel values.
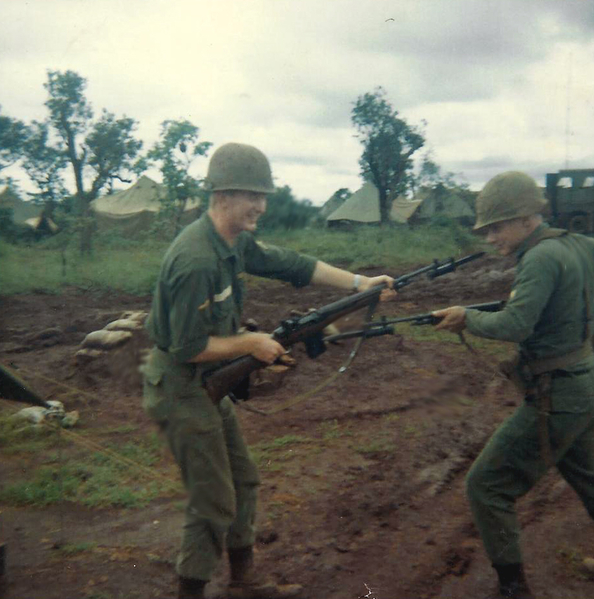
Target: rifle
(386, 326)
(309, 328)
(12, 387)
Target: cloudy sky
(501, 84)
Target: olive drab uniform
(549, 314)
(199, 293)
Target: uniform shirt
(546, 311)
(200, 289)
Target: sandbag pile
(38, 415)
(111, 336)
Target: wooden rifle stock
(307, 328)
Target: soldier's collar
(220, 246)
(531, 240)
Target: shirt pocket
(223, 314)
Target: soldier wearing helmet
(194, 323)
(549, 315)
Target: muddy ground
(363, 496)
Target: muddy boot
(246, 585)
(191, 588)
(512, 582)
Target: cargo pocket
(155, 402)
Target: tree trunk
(384, 207)
(85, 225)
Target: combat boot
(191, 588)
(245, 584)
(512, 582)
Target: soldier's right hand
(263, 347)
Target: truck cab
(571, 196)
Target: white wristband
(356, 282)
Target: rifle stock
(221, 381)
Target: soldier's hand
(369, 282)
(263, 347)
(454, 319)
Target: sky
(494, 85)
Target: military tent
(330, 205)
(21, 211)
(26, 214)
(133, 210)
(442, 201)
(363, 207)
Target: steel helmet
(236, 166)
(509, 195)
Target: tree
(44, 164)
(284, 211)
(102, 151)
(12, 137)
(175, 152)
(388, 145)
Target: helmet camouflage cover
(236, 166)
(508, 195)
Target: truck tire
(579, 223)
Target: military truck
(571, 196)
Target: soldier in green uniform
(549, 316)
(194, 324)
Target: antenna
(568, 110)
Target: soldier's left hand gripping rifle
(309, 328)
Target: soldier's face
(245, 209)
(507, 236)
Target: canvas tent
(441, 201)
(329, 206)
(26, 214)
(363, 207)
(133, 210)
(21, 211)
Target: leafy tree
(284, 211)
(102, 151)
(388, 145)
(12, 137)
(175, 152)
(44, 164)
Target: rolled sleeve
(278, 263)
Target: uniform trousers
(511, 463)
(219, 474)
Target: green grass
(392, 248)
(132, 267)
(70, 549)
(270, 455)
(18, 437)
(30, 269)
(94, 480)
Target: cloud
(500, 84)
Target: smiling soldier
(549, 314)
(194, 324)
